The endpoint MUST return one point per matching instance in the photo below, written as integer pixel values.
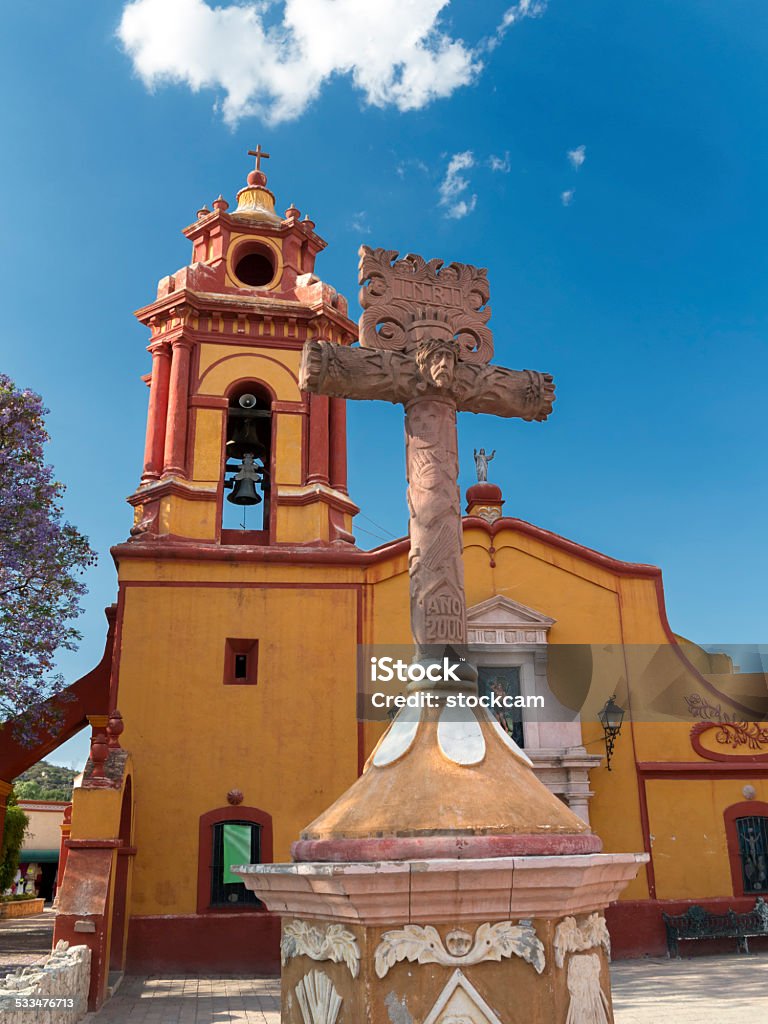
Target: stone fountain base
(501, 940)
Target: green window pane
(237, 850)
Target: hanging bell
(243, 483)
(244, 439)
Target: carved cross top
(407, 301)
(425, 343)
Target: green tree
(45, 781)
(16, 825)
(27, 791)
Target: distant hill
(45, 781)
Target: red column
(338, 444)
(158, 411)
(176, 424)
(318, 440)
(66, 832)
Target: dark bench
(698, 923)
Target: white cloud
(409, 162)
(462, 208)
(566, 198)
(577, 156)
(454, 185)
(499, 163)
(271, 58)
(359, 223)
(395, 51)
(513, 14)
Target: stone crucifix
(425, 343)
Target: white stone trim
(499, 620)
(507, 634)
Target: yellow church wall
(614, 811)
(640, 611)
(182, 517)
(389, 621)
(235, 573)
(222, 365)
(256, 738)
(208, 432)
(665, 741)
(96, 813)
(288, 435)
(299, 522)
(544, 550)
(584, 612)
(690, 853)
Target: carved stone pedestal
(503, 940)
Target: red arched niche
(205, 851)
(744, 809)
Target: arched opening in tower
(247, 461)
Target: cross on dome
(259, 154)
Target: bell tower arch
(229, 325)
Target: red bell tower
(226, 337)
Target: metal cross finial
(259, 154)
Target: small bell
(243, 483)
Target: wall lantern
(611, 718)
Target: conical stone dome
(445, 781)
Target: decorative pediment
(460, 1001)
(499, 620)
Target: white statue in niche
(589, 1004)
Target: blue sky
(643, 291)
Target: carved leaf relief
(491, 942)
(572, 937)
(334, 943)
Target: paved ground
(729, 989)
(25, 940)
(703, 990)
(192, 1000)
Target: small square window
(241, 662)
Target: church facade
(244, 604)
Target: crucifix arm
(492, 389)
(341, 372)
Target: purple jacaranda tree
(42, 558)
